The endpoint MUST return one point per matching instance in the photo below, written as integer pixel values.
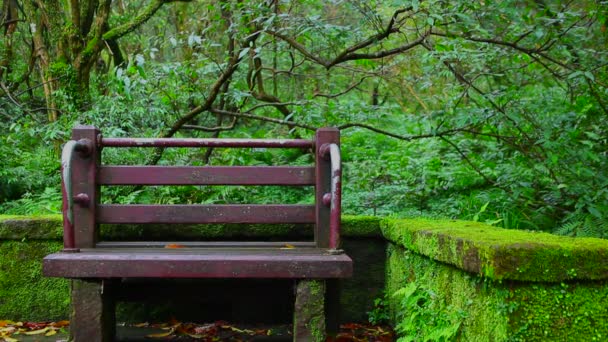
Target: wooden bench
(99, 267)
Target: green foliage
(380, 312)
(584, 225)
(496, 116)
(424, 317)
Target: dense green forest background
(486, 110)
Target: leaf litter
(12, 331)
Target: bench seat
(190, 260)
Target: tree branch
(515, 46)
(139, 19)
(211, 129)
(301, 48)
(375, 38)
(350, 56)
(465, 158)
(262, 118)
(351, 87)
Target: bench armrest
(334, 198)
(84, 148)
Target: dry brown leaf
(60, 324)
(174, 245)
(4, 323)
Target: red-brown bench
(98, 266)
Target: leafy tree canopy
(486, 110)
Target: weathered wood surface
(232, 262)
(206, 175)
(205, 244)
(229, 213)
(192, 142)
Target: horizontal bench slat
(206, 175)
(238, 213)
(197, 263)
(204, 244)
(190, 142)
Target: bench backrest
(83, 174)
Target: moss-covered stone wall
(472, 282)
(501, 253)
(465, 280)
(24, 293)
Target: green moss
(502, 311)
(453, 290)
(317, 318)
(24, 293)
(91, 46)
(559, 312)
(499, 253)
(41, 227)
(361, 226)
(17, 227)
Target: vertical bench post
(323, 136)
(326, 136)
(85, 191)
(92, 317)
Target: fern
(584, 225)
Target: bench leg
(333, 289)
(309, 311)
(92, 317)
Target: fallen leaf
(5, 323)
(161, 335)
(8, 330)
(60, 324)
(9, 339)
(51, 332)
(35, 325)
(37, 332)
(205, 329)
(174, 245)
(195, 335)
(141, 325)
(351, 326)
(288, 246)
